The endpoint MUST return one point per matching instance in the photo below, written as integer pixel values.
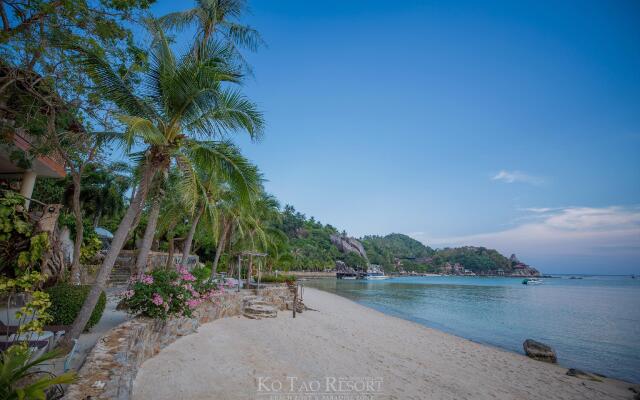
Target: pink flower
(193, 303)
(147, 279)
(157, 299)
(185, 275)
(127, 294)
(181, 269)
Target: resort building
(17, 175)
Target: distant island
(314, 246)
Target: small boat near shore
(375, 273)
(531, 281)
(376, 276)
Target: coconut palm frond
(112, 85)
(234, 112)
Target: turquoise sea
(593, 323)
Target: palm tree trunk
(172, 248)
(133, 194)
(231, 267)
(96, 220)
(107, 265)
(77, 243)
(220, 247)
(149, 233)
(192, 231)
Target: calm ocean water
(593, 323)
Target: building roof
(44, 165)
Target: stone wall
(111, 367)
(156, 259)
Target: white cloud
(517, 177)
(539, 210)
(568, 232)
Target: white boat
(375, 272)
(375, 276)
(532, 281)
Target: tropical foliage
(66, 301)
(73, 79)
(20, 377)
(169, 292)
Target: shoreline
(341, 338)
(448, 331)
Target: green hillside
(308, 247)
(385, 250)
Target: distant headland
(319, 247)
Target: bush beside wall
(66, 301)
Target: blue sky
(514, 125)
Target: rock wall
(112, 365)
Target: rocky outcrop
(539, 351)
(346, 244)
(524, 270)
(343, 270)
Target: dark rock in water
(584, 375)
(539, 351)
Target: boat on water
(374, 276)
(375, 273)
(532, 281)
(350, 278)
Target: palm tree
(229, 223)
(248, 227)
(216, 19)
(174, 213)
(150, 229)
(204, 193)
(180, 100)
(262, 234)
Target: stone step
(259, 309)
(255, 311)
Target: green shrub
(278, 279)
(66, 301)
(202, 273)
(167, 293)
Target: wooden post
(295, 300)
(239, 268)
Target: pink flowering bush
(167, 293)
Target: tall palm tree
(180, 100)
(174, 213)
(203, 183)
(217, 20)
(261, 233)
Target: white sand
(227, 357)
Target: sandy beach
(344, 349)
